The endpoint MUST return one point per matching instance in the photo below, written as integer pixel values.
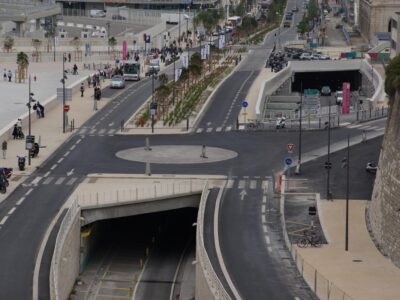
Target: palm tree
(77, 44)
(23, 63)
(112, 42)
(36, 43)
(8, 43)
(163, 79)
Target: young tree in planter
(8, 44)
(23, 63)
(77, 44)
(249, 24)
(112, 42)
(36, 43)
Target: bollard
(147, 148)
(122, 125)
(148, 170)
(203, 152)
(187, 124)
(237, 123)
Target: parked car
(305, 56)
(117, 82)
(118, 17)
(326, 91)
(295, 9)
(97, 13)
(154, 65)
(371, 167)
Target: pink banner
(123, 50)
(346, 98)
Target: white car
(97, 13)
(306, 56)
(117, 82)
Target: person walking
(4, 148)
(40, 107)
(89, 80)
(5, 75)
(69, 57)
(75, 68)
(9, 74)
(82, 89)
(364, 136)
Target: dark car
(371, 167)
(326, 91)
(118, 17)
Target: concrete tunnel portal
(117, 250)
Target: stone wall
(384, 208)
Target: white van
(97, 13)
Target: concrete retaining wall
(384, 208)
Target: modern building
(375, 16)
(395, 33)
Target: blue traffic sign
(288, 161)
(245, 103)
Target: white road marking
(28, 192)
(199, 130)
(12, 210)
(219, 129)
(257, 177)
(263, 208)
(3, 220)
(229, 184)
(66, 153)
(355, 126)
(101, 131)
(242, 184)
(60, 180)
(53, 167)
(47, 174)
(267, 240)
(20, 200)
(92, 131)
(229, 128)
(36, 180)
(253, 184)
(83, 130)
(209, 129)
(373, 127)
(71, 181)
(263, 220)
(78, 141)
(72, 147)
(246, 177)
(111, 131)
(265, 228)
(60, 160)
(269, 249)
(297, 298)
(48, 180)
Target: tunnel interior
(333, 79)
(123, 245)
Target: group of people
(17, 130)
(7, 75)
(39, 108)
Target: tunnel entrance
(333, 79)
(147, 254)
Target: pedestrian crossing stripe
(211, 129)
(251, 184)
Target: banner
(207, 49)
(178, 73)
(221, 41)
(185, 60)
(346, 98)
(123, 50)
(203, 53)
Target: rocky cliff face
(384, 208)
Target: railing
(213, 281)
(139, 193)
(56, 260)
(321, 286)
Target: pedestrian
(4, 148)
(75, 68)
(9, 74)
(15, 131)
(89, 80)
(69, 57)
(82, 89)
(41, 109)
(364, 136)
(35, 108)
(5, 75)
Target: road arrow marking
(111, 124)
(243, 193)
(70, 172)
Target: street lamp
(187, 43)
(298, 167)
(29, 117)
(153, 105)
(279, 29)
(346, 164)
(173, 55)
(108, 36)
(328, 163)
(179, 32)
(63, 83)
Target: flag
(178, 73)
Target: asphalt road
(31, 208)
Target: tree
(23, 63)
(112, 42)
(249, 24)
(36, 43)
(76, 43)
(8, 43)
(392, 80)
(163, 79)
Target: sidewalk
(49, 130)
(362, 272)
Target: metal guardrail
(56, 260)
(213, 281)
(321, 286)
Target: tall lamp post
(279, 30)
(298, 167)
(153, 105)
(63, 83)
(173, 85)
(347, 194)
(187, 43)
(179, 28)
(328, 163)
(29, 117)
(108, 37)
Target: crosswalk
(367, 127)
(250, 183)
(215, 129)
(53, 180)
(97, 132)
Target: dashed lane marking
(200, 130)
(3, 220)
(242, 184)
(263, 220)
(219, 129)
(263, 208)
(71, 181)
(229, 128)
(209, 129)
(47, 174)
(253, 184)
(60, 180)
(67, 153)
(36, 180)
(60, 160)
(20, 201)
(72, 147)
(28, 192)
(267, 240)
(269, 249)
(78, 141)
(53, 167)
(12, 210)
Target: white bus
(131, 70)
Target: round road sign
(245, 103)
(288, 161)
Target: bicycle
(309, 239)
(255, 125)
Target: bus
(131, 70)
(235, 21)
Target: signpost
(290, 148)
(244, 105)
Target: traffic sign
(290, 148)
(288, 161)
(66, 108)
(30, 140)
(312, 210)
(245, 103)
